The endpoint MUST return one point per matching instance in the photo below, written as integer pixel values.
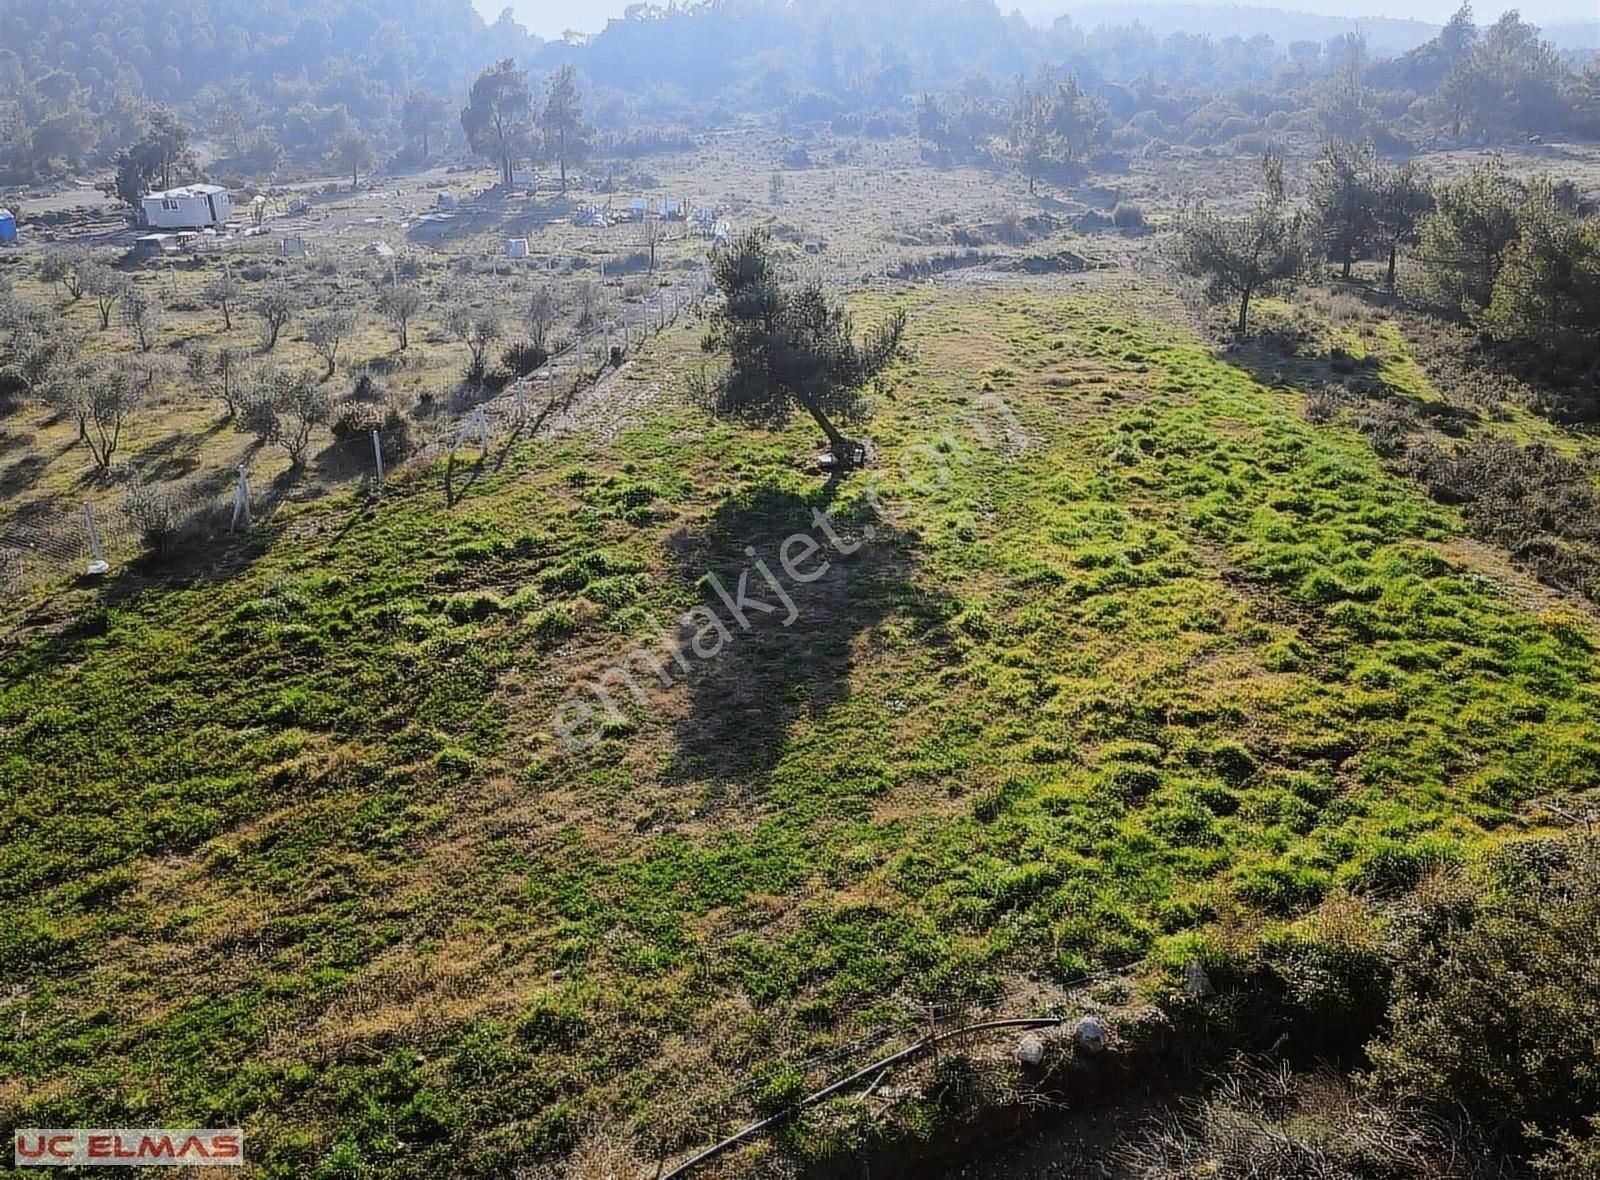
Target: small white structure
(638, 207)
(516, 247)
(524, 179)
(671, 210)
(151, 244)
(194, 206)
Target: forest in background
(267, 89)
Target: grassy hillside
(293, 844)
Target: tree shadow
(1272, 359)
(18, 477)
(767, 676)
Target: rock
(1030, 1052)
(1089, 1035)
(1196, 983)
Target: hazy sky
(550, 18)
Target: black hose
(907, 1054)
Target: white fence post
(241, 502)
(97, 563)
(377, 455)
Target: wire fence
(47, 543)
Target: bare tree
(141, 316)
(542, 313)
(588, 297)
(72, 276)
(223, 292)
(276, 308)
(112, 398)
(104, 285)
(652, 232)
(326, 332)
(479, 331)
(55, 268)
(400, 305)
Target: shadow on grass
(769, 677)
(1272, 361)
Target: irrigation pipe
(907, 1054)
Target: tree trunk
(1244, 313)
(1394, 254)
(424, 143)
(561, 156)
(1347, 260)
(837, 442)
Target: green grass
(294, 847)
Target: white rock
(1030, 1052)
(1090, 1035)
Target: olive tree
(112, 396)
(400, 305)
(285, 408)
(1466, 239)
(34, 346)
(479, 331)
(1240, 257)
(788, 347)
(141, 316)
(55, 268)
(222, 292)
(1401, 200)
(276, 308)
(104, 285)
(541, 317)
(1344, 200)
(326, 332)
(219, 373)
(72, 273)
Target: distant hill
(1384, 35)
(1575, 35)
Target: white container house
(194, 206)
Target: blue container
(8, 226)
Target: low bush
(1128, 217)
(523, 359)
(158, 513)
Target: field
(1133, 661)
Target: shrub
(1497, 1011)
(1262, 1120)
(1128, 217)
(158, 512)
(523, 359)
(354, 419)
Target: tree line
(1518, 259)
(79, 80)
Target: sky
(551, 18)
